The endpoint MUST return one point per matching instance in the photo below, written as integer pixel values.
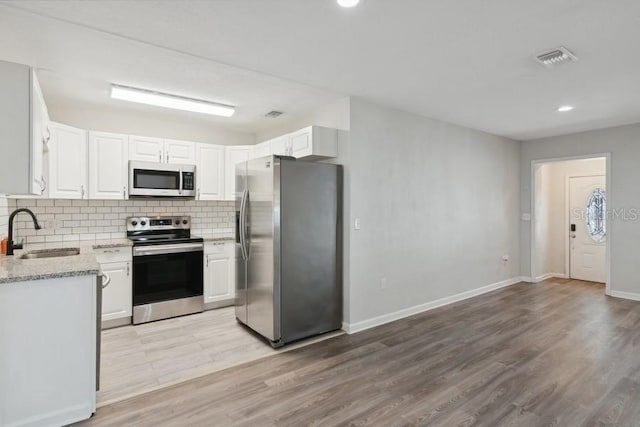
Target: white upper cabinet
(67, 162)
(311, 143)
(210, 172)
(314, 142)
(159, 150)
(146, 149)
(108, 160)
(280, 145)
(261, 150)
(233, 156)
(179, 152)
(23, 133)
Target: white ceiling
(464, 61)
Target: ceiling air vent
(556, 56)
(273, 114)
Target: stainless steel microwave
(161, 180)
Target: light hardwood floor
(142, 358)
(557, 353)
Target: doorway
(569, 229)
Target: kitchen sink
(51, 253)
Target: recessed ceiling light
(565, 108)
(348, 3)
(166, 100)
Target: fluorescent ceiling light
(348, 3)
(166, 100)
(565, 108)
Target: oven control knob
(143, 223)
(185, 222)
(177, 222)
(134, 223)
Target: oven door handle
(168, 249)
(181, 183)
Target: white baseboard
(352, 328)
(626, 295)
(545, 277)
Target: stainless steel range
(167, 268)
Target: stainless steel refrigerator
(288, 248)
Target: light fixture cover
(166, 100)
(565, 108)
(348, 3)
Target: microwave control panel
(188, 181)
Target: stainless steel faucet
(10, 245)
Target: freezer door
(311, 249)
(241, 263)
(263, 282)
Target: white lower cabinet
(219, 273)
(116, 267)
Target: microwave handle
(180, 187)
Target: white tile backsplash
(6, 207)
(83, 221)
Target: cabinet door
(146, 149)
(220, 272)
(210, 172)
(280, 145)
(233, 156)
(67, 163)
(261, 150)
(116, 293)
(108, 165)
(179, 152)
(301, 143)
(37, 139)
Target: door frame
(567, 217)
(532, 238)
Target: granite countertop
(113, 243)
(14, 269)
(218, 237)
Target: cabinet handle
(160, 156)
(82, 191)
(207, 262)
(128, 268)
(107, 279)
(111, 251)
(166, 157)
(43, 185)
(124, 192)
(198, 194)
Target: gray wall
(438, 205)
(624, 233)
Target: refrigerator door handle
(242, 222)
(247, 231)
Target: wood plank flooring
(557, 353)
(142, 358)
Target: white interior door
(588, 227)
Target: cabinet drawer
(116, 254)
(214, 248)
